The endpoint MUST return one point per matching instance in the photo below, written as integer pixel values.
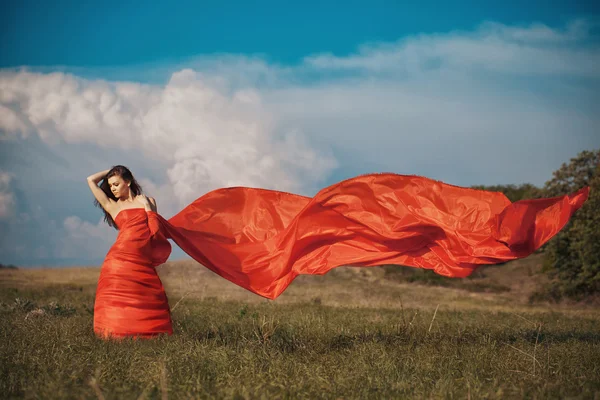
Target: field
(353, 333)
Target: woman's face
(118, 187)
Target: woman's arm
(152, 204)
(150, 207)
(98, 176)
(92, 181)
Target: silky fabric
(130, 298)
(262, 239)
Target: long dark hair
(127, 176)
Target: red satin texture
(262, 239)
(130, 298)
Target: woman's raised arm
(92, 181)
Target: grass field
(353, 333)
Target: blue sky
(110, 33)
(195, 96)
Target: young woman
(130, 298)
(262, 239)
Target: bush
(572, 258)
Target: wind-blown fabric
(262, 239)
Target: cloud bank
(500, 104)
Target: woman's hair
(127, 176)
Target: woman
(262, 239)
(130, 298)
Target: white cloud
(494, 47)
(538, 33)
(7, 197)
(166, 203)
(501, 104)
(224, 139)
(82, 237)
(12, 124)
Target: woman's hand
(148, 202)
(141, 198)
(98, 176)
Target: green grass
(298, 346)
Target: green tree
(514, 192)
(572, 257)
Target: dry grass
(352, 333)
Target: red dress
(130, 298)
(262, 239)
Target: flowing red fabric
(262, 239)
(130, 298)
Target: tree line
(572, 257)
